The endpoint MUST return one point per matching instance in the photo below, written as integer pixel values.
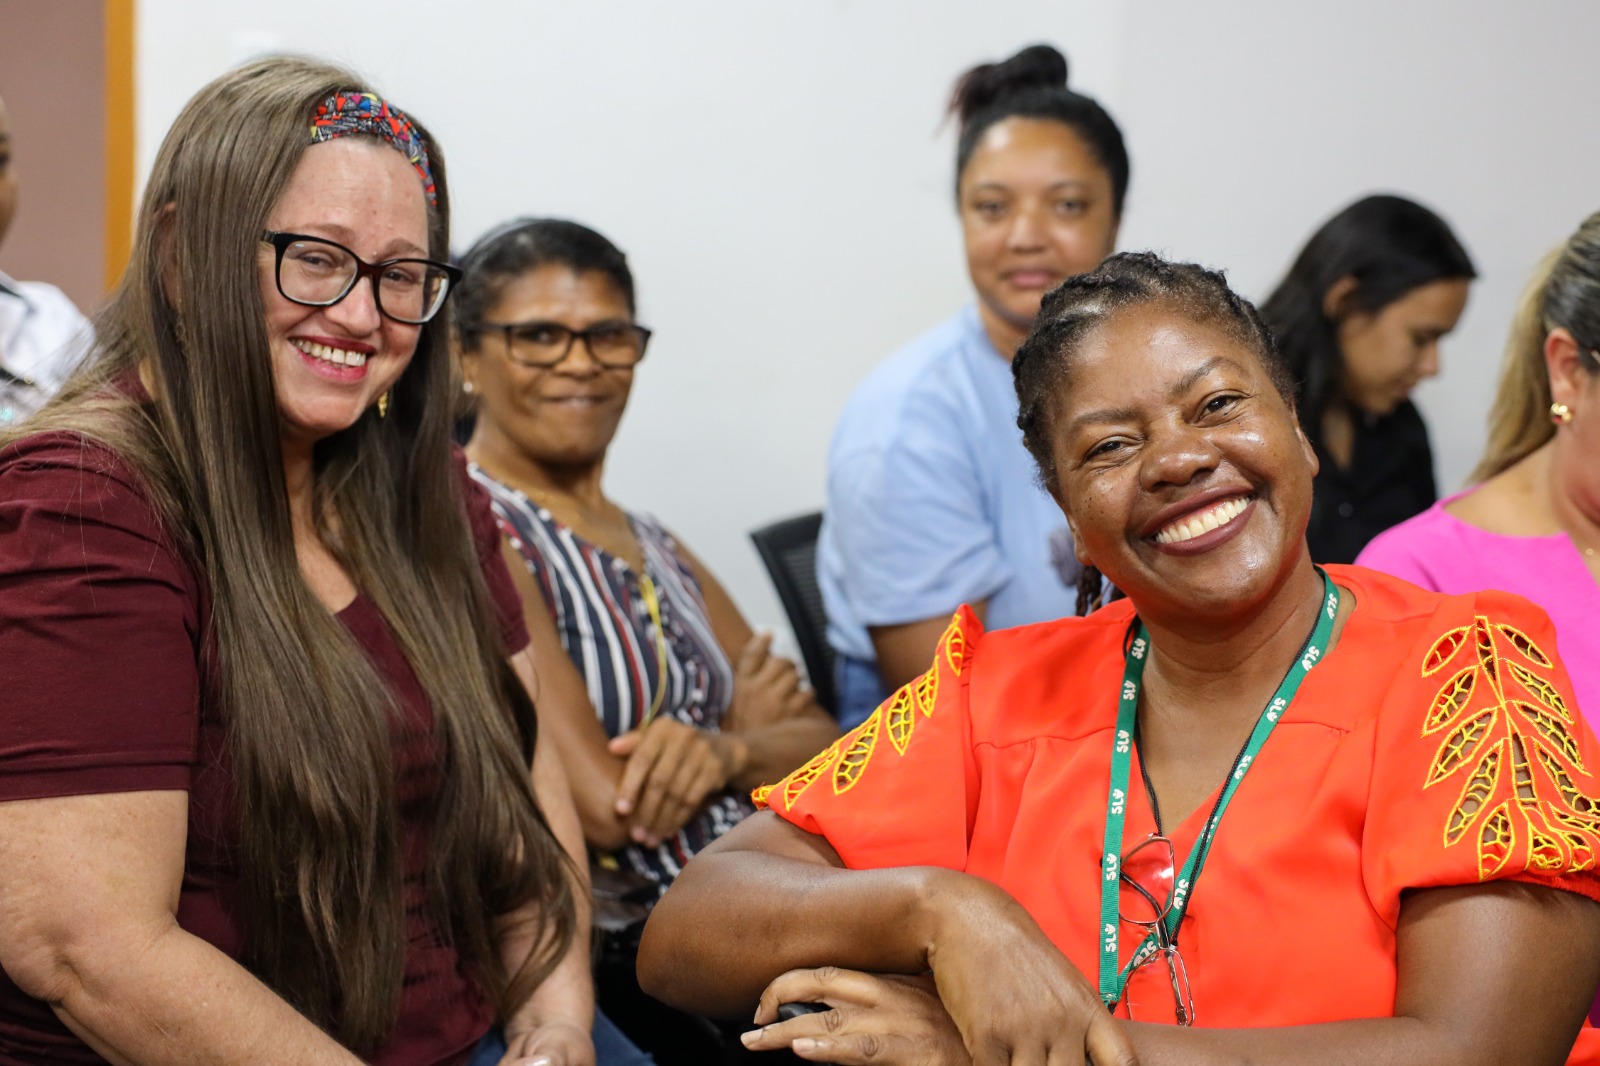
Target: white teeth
(337, 356)
(1204, 522)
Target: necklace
(1114, 980)
(647, 587)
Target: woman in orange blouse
(1310, 817)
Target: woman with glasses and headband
(1256, 811)
(665, 707)
(265, 789)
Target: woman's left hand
(881, 1019)
(548, 1042)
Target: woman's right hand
(766, 687)
(886, 1019)
(671, 768)
(1011, 992)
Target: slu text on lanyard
(1114, 980)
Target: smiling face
(1182, 469)
(1036, 207)
(567, 414)
(1387, 352)
(330, 364)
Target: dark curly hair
(1069, 313)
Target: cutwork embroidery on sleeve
(1506, 726)
(846, 759)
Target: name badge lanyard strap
(1113, 980)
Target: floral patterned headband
(343, 114)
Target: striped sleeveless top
(599, 609)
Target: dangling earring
(1560, 414)
(383, 404)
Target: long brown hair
(1564, 292)
(308, 717)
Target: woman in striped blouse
(674, 709)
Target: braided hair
(1081, 304)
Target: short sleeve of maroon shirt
(101, 625)
(100, 629)
(486, 536)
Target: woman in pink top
(1532, 524)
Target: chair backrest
(789, 550)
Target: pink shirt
(1441, 552)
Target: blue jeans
(611, 1048)
(859, 690)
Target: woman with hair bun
(1531, 523)
(1359, 318)
(932, 500)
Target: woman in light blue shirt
(932, 499)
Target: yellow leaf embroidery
(1451, 700)
(759, 796)
(802, 778)
(1581, 850)
(901, 718)
(1496, 842)
(1564, 784)
(854, 759)
(1486, 658)
(1514, 758)
(1553, 730)
(1525, 645)
(1542, 690)
(1545, 852)
(1444, 649)
(1522, 774)
(955, 647)
(1575, 822)
(1459, 746)
(927, 691)
(1475, 796)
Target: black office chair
(789, 550)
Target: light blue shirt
(934, 502)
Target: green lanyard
(1112, 980)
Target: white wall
(778, 175)
(1251, 122)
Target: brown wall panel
(52, 76)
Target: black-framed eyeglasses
(1148, 872)
(317, 272)
(615, 345)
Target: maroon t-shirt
(101, 620)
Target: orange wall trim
(119, 23)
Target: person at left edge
(265, 781)
(42, 333)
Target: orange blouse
(1438, 743)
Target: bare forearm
(734, 921)
(181, 1000)
(1373, 1042)
(774, 750)
(569, 991)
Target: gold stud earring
(383, 404)
(1560, 414)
